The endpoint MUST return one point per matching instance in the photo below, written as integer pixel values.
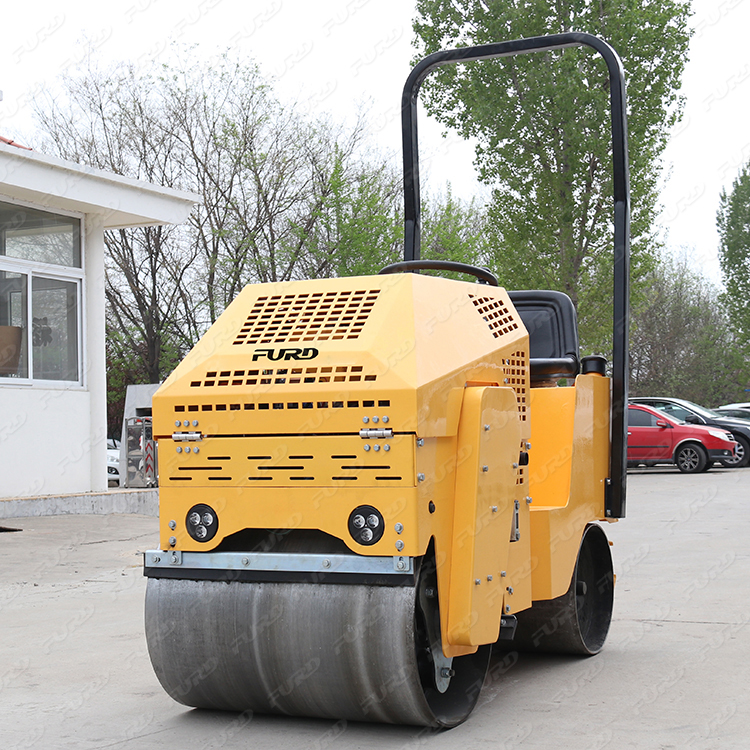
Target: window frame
(37, 269)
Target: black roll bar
(615, 494)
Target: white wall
(45, 441)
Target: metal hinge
(183, 437)
(515, 532)
(376, 433)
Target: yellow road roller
(365, 483)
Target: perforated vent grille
(284, 376)
(495, 314)
(319, 316)
(516, 374)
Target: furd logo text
(279, 355)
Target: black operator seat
(550, 319)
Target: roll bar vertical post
(615, 493)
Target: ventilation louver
(319, 316)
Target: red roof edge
(13, 143)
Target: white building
(53, 215)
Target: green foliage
(541, 123)
(682, 344)
(733, 221)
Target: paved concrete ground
(74, 672)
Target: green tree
(541, 124)
(733, 221)
(682, 344)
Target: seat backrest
(550, 319)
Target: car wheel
(691, 458)
(741, 457)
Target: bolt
(157, 558)
(375, 420)
(195, 423)
(172, 541)
(420, 442)
(510, 589)
(186, 423)
(502, 574)
(326, 563)
(178, 423)
(365, 419)
(173, 525)
(489, 578)
(447, 672)
(195, 450)
(485, 468)
(179, 449)
(399, 528)
(386, 448)
(494, 508)
(367, 448)
(486, 428)
(401, 565)
(385, 420)
(528, 446)
(187, 449)
(507, 610)
(376, 448)
(507, 380)
(515, 466)
(420, 477)
(430, 593)
(528, 500)
(477, 581)
(399, 545)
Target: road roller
(367, 484)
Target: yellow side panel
(552, 411)
(558, 520)
(489, 436)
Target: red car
(655, 438)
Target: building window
(41, 280)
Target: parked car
(113, 462)
(655, 438)
(740, 411)
(687, 411)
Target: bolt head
(195, 423)
(178, 423)
(173, 525)
(420, 477)
(485, 469)
(365, 419)
(245, 561)
(367, 448)
(399, 545)
(172, 541)
(386, 420)
(399, 528)
(386, 448)
(326, 563)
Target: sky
(334, 56)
